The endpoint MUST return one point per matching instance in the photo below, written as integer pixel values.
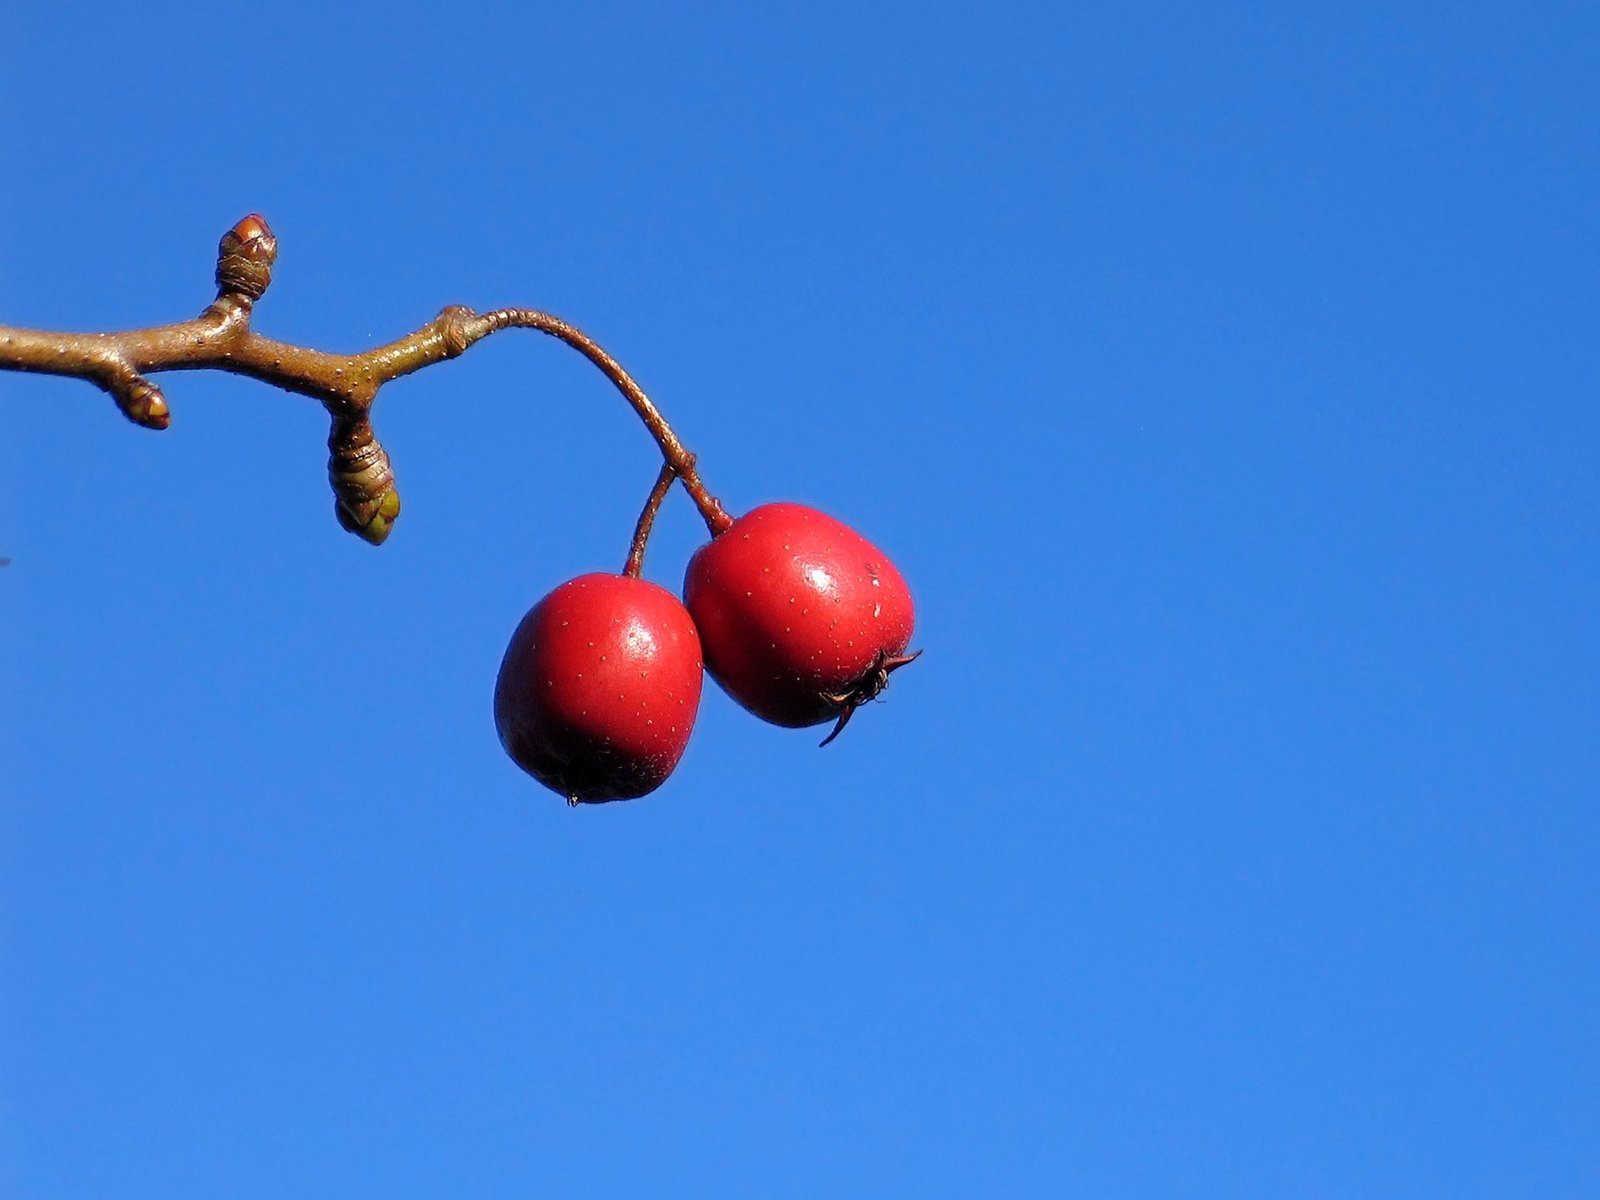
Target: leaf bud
(245, 257)
(365, 500)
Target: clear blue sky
(1222, 377)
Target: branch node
(453, 328)
(244, 259)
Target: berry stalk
(647, 520)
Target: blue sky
(1220, 376)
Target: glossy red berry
(800, 617)
(599, 687)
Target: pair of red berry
(799, 618)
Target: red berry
(598, 690)
(801, 618)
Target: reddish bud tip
(245, 257)
(252, 227)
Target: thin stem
(672, 450)
(647, 519)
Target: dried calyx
(869, 687)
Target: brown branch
(346, 385)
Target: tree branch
(221, 339)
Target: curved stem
(647, 520)
(672, 450)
